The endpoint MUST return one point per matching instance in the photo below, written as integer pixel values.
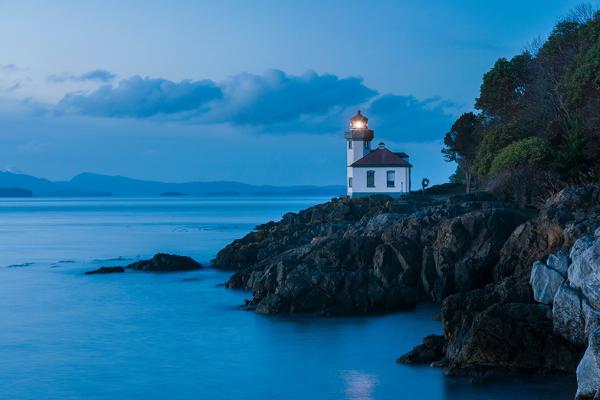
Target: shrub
(533, 151)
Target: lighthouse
(377, 171)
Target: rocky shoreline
(471, 253)
(370, 255)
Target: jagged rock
(584, 272)
(568, 215)
(431, 350)
(588, 371)
(581, 245)
(567, 315)
(497, 330)
(559, 262)
(165, 263)
(370, 254)
(545, 282)
(105, 270)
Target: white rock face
(584, 272)
(591, 316)
(582, 244)
(567, 315)
(576, 305)
(588, 370)
(559, 262)
(545, 282)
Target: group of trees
(537, 125)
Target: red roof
(383, 158)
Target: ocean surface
(66, 335)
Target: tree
(461, 144)
(492, 142)
(504, 88)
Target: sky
(251, 91)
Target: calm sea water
(65, 335)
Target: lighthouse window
(370, 178)
(350, 182)
(391, 179)
(349, 144)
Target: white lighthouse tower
(358, 143)
(378, 171)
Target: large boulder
(162, 262)
(584, 271)
(499, 330)
(588, 371)
(545, 282)
(559, 261)
(568, 215)
(567, 315)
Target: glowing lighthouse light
(359, 121)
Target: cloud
(15, 86)
(407, 119)
(9, 67)
(278, 98)
(139, 97)
(272, 102)
(273, 99)
(98, 75)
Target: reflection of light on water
(359, 386)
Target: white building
(378, 171)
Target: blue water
(65, 335)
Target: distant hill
(15, 192)
(88, 184)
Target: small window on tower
(349, 144)
(370, 179)
(350, 182)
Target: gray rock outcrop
(356, 256)
(576, 308)
(545, 282)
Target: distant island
(172, 194)
(97, 185)
(15, 192)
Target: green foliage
(462, 140)
(537, 109)
(583, 80)
(532, 151)
(492, 143)
(504, 86)
(458, 176)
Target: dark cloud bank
(98, 75)
(274, 102)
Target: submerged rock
(165, 263)
(106, 270)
